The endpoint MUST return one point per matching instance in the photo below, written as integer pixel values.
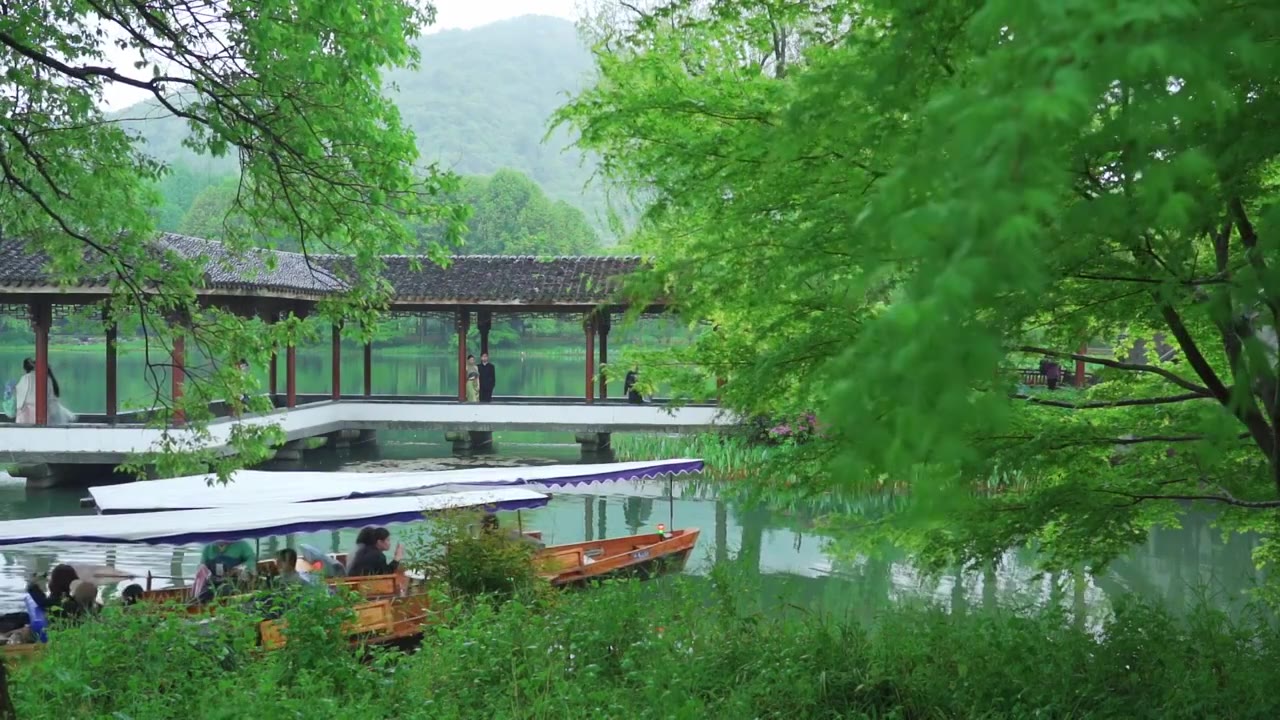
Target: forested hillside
(479, 103)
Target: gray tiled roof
(224, 270)
(469, 279)
(507, 279)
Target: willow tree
(291, 88)
(887, 206)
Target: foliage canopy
(292, 88)
(888, 207)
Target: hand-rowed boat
(238, 511)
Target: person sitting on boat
(370, 557)
(131, 595)
(287, 564)
(226, 559)
(83, 601)
(489, 524)
(60, 579)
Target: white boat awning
(182, 527)
(253, 488)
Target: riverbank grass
(683, 647)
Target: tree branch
(1128, 402)
(1225, 498)
(1116, 364)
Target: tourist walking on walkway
(629, 387)
(487, 378)
(25, 398)
(473, 380)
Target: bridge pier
(594, 442)
(470, 440)
(343, 439)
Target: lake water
(794, 563)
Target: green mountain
(479, 103)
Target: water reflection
(796, 565)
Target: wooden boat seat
(560, 561)
(371, 585)
(375, 618)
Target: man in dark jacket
(487, 379)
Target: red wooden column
(368, 369)
(337, 362)
(484, 322)
(463, 324)
(589, 329)
(291, 376)
(604, 322)
(178, 373)
(1084, 350)
(41, 320)
(112, 333)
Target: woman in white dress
(25, 398)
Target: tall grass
(727, 457)
(679, 648)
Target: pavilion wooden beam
(112, 373)
(462, 324)
(41, 321)
(589, 329)
(336, 352)
(291, 376)
(178, 373)
(368, 369)
(604, 325)
(1084, 350)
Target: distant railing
(1033, 377)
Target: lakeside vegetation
(685, 647)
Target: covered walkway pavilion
(274, 285)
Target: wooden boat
(642, 556)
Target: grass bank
(678, 648)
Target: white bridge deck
(87, 443)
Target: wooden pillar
(1084, 350)
(274, 372)
(463, 324)
(41, 320)
(112, 373)
(484, 322)
(604, 323)
(337, 362)
(589, 329)
(178, 373)
(368, 369)
(291, 376)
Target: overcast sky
(450, 15)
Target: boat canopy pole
(671, 503)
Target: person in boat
(61, 578)
(131, 595)
(489, 524)
(83, 601)
(370, 556)
(287, 564)
(228, 559)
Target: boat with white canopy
(182, 527)
(251, 487)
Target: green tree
(511, 215)
(879, 203)
(290, 87)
